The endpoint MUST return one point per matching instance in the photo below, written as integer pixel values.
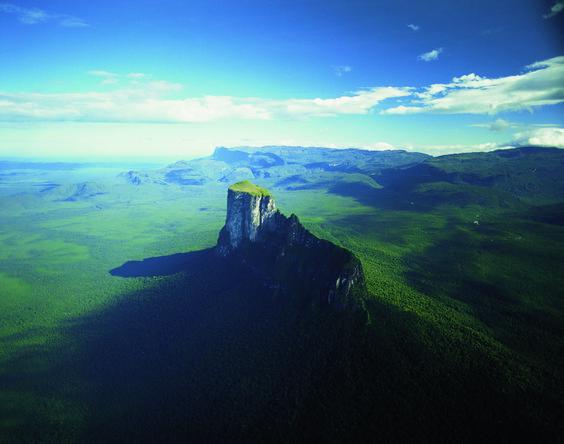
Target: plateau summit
(285, 254)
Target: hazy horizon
(174, 79)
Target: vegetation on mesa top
(246, 186)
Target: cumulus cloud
(544, 137)
(141, 99)
(34, 16)
(136, 96)
(341, 69)
(541, 84)
(551, 137)
(380, 146)
(413, 27)
(431, 55)
(556, 9)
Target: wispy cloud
(431, 55)
(136, 75)
(557, 8)
(34, 16)
(500, 125)
(142, 99)
(541, 84)
(340, 70)
(72, 22)
(111, 78)
(107, 78)
(361, 102)
(497, 125)
(137, 97)
(28, 16)
(102, 73)
(413, 27)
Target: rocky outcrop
(289, 258)
(250, 210)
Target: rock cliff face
(250, 209)
(282, 252)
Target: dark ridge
(230, 155)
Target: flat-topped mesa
(285, 254)
(249, 209)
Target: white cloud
(413, 27)
(542, 84)
(379, 146)
(548, 137)
(143, 100)
(108, 78)
(139, 98)
(556, 9)
(34, 16)
(136, 75)
(28, 16)
(552, 137)
(459, 148)
(68, 21)
(341, 69)
(499, 125)
(109, 81)
(431, 55)
(112, 78)
(161, 86)
(496, 126)
(361, 102)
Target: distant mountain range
(512, 177)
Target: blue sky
(178, 78)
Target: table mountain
(282, 252)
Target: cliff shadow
(406, 198)
(455, 271)
(210, 355)
(162, 265)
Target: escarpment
(282, 252)
(250, 209)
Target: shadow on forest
(406, 198)
(210, 354)
(381, 198)
(420, 188)
(452, 269)
(161, 265)
(399, 189)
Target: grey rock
(247, 215)
(286, 256)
